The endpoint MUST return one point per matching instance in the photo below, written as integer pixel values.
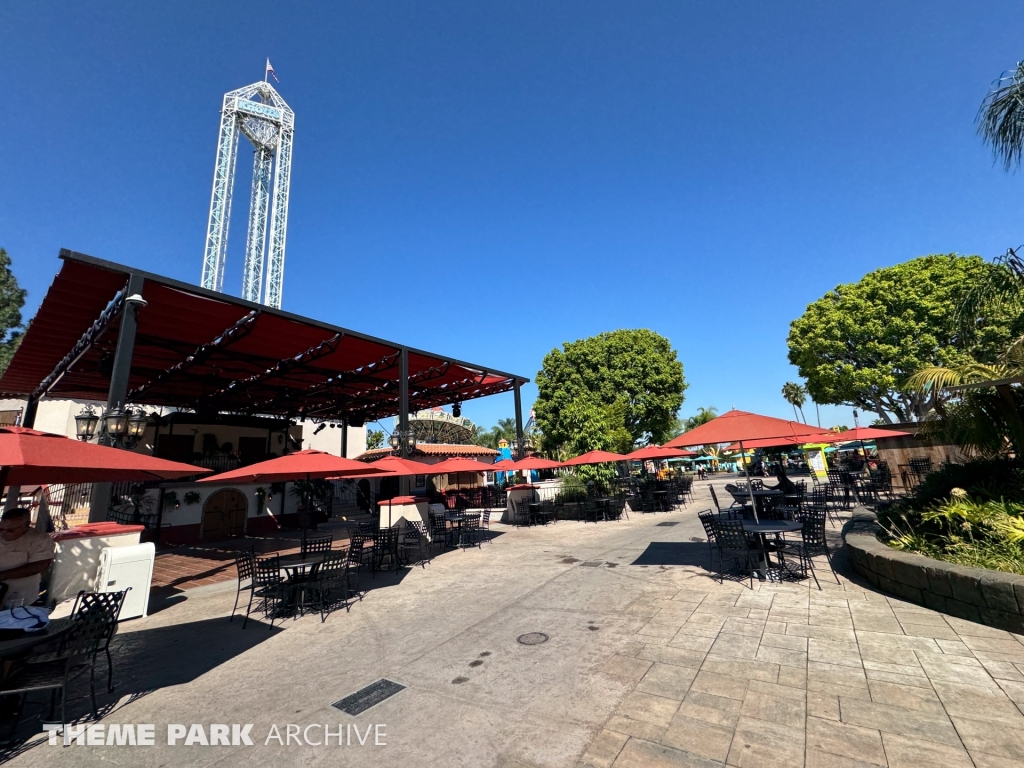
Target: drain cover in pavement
(663, 525)
(591, 564)
(532, 638)
(367, 697)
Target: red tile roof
(434, 449)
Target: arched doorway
(224, 514)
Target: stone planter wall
(987, 597)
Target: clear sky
(490, 180)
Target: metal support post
(403, 412)
(118, 392)
(520, 448)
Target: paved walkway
(649, 662)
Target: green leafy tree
(613, 389)
(859, 344)
(796, 396)
(12, 299)
(374, 439)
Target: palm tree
(703, 416)
(1001, 117)
(985, 419)
(796, 396)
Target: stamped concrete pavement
(649, 661)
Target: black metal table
(20, 645)
(764, 529)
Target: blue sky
(490, 180)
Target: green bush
(970, 514)
(968, 531)
(573, 489)
(998, 478)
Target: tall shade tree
(374, 439)
(859, 344)
(796, 396)
(12, 299)
(613, 389)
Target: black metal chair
(708, 519)
(813, 542)
(411, 542)
(316, 545)
(734, 545)
(93, 622)
(385, 547)
(439, 534)
(245, 564)
(360, 547)
(269, 590)
(546, 514)
(647, 500)
(523, 515)
(332, 577)
(470, 534)
(589, 512)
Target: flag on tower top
(270, 72)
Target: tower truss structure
(260, 114)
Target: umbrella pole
(750, 488)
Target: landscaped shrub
(983, 478)
(970, 514)
(969, 531)
(573, 489)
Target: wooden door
(224, 514)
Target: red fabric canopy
(534, 462)
(740, 426)
(301, 465)
(849, 436)
(864, 433)
(458, 464)
(32, 458)
(504, 465)
(594, 457)
(658, 452)
(397, 466)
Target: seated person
(787, 486)
(25, 554)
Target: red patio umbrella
(459, 464)
(396, 466)
(28, 457)
(740, 427)
(400, 467)
(658, 453)
(594, 457)
(864, 433)
(301, 465)
(535, 462)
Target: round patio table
(295, 567)
(297, 563)
(764, 529)
(29, 640)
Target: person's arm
(28, 569)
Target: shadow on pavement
(674, 553)
(144, 661)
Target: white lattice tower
(260, 114)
